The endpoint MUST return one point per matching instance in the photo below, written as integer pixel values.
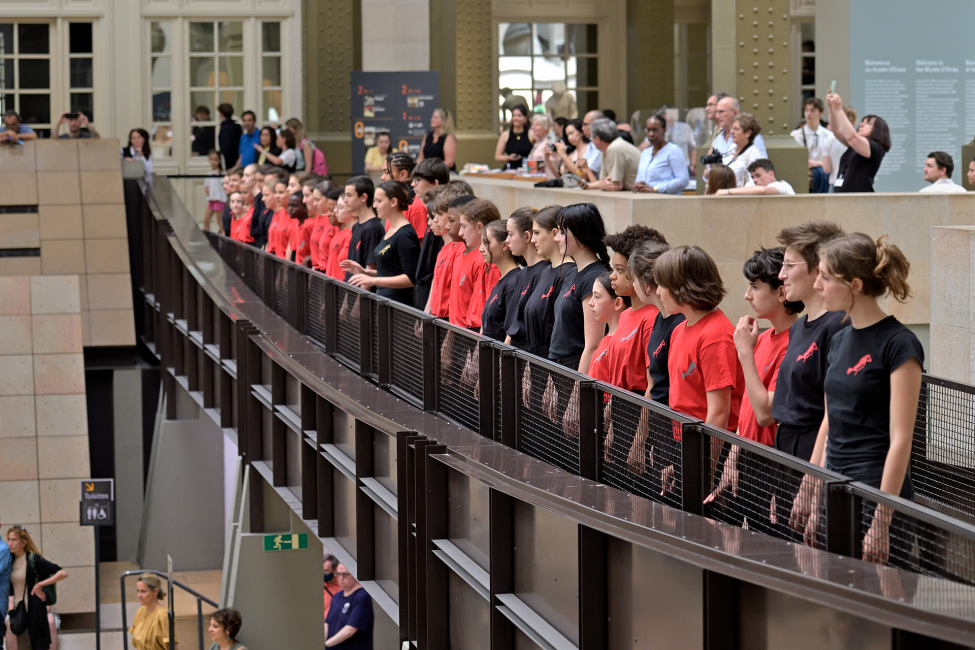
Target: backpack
(318, 164)
(50, 591)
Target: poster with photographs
(397, 103)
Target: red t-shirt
(466, 279)
(338, 251)
(599, 368)
(768, 356)
(442, 274)
(240, 229)
(292, 234)
(326, 233)
(316, 233)
(490, 277)
(703, 358)
(416, 214)
(277, 233)
(628, 352)
(301, 242)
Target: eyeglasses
(342, 575)
(20, 528)
(788, 265)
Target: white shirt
(739, 165)
(782, 186)
(594, 159)
(817, 142)
(944, 186)
(835, 151)
(727, 146)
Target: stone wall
(44, 426)
(952, 318)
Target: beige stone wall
(79, 227)
(44, 426)
(952, 315)
(731, 228)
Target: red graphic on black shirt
(861, 364)
(571, 289)
(529, 286)
(808, 353)
(357, 245)
(493, 299)
(659, 348)
(548, 293)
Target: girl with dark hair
(445, 208)
(440, 142)
(501, 306)
(519, 240)
(267, 144)
(224, 627)
(396, 254)
(376, 155)
(873, 381)
(299, 230)
(399, 166)
(569, 154)
(429, 250)
(575, 334)
(720, 177)
(139, 149)
(286, 157)
(867, 147)
(515, 144)
(323, 198)
(278, 230)
(539, 311)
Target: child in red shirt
(338, 249)
(240, 227)
(628, 352)
(277, 232)
(449, 220)
(471, 273)
(606, 306)
(706, 380)
(299, 230)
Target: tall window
(81, 66)
(161, 82)
(536, 59)
(216, 77)
(25, 73)
(807, 60)
(271, 72)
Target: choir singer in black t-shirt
(873, 380)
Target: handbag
(50, 591)
(19, 620)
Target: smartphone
(832, 86)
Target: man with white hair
(725, 113)
(620, 158)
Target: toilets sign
(97, 502)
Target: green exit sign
(286, 542)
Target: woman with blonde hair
(150, 627)
(440, 141)
(31, 581)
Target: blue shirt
(594, 158)
(248, 155)
(6, 565)
(355, 610)
(666, 172)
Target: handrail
(200, 599)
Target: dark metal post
(693, 458)
(431, 365)
(510, 398)
(98, 592)
(125, 644)
(367, 312)
(589, 416)
(842, 520)
(487, 374)
(384, 329)
(199, 620)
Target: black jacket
(37, 628)
(229, 137)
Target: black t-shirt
(658, 352)
(226, 219)
(429, 249)
(858, 172)
(260, 238)
(365, 238)
(517, 329)
(397, 256)
(569, 331)
(858, 389)
(798, 397)
(501, 306)
(540, 309)
(355, 610)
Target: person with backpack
(310, 158)
(32, 581)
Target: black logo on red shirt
(861, 364)
(808, 353)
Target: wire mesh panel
(237, 259)
(640, 449)
(316, 308)
(407, 359)
(457, 388)
(548, 423)
(943, 457)
(752, 487)
(894, 535)
(280, 303)
(348, 333)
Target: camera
(712, 158)
(71, 116)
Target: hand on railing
(729, 479)
(804, 517)
(351, 266)
(608, 446)
(570, 421)
(469, 376)
(343, 311)
(526, 383)
(550, 400)
(418, 329)
(446, 355)
(876, 543)
(667, 480)
(354, 312)
(636, 457)
(362, 281)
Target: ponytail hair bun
(881, 267)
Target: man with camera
(723, 148)
(78, 126)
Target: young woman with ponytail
(501, 305)
(519, 241)
(873, 381)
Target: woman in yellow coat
(150, 629)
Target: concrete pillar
(763, 30)
(649, 54)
